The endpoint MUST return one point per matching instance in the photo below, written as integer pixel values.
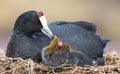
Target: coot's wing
(86, 25)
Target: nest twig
(20, 66)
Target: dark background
(104, 13)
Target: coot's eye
(36, 22)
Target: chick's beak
(55, 41)
(45, 29)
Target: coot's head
(31, 22)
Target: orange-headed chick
(55, 46)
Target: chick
(58, 54)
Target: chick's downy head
(57, 45)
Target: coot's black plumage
(86, 25)
(29, 36)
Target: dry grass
(20, 66)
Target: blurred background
(104, 13)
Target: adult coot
(31, 34)
(23, 42)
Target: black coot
(23, 42)
(31, 34)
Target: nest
(20, 66)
